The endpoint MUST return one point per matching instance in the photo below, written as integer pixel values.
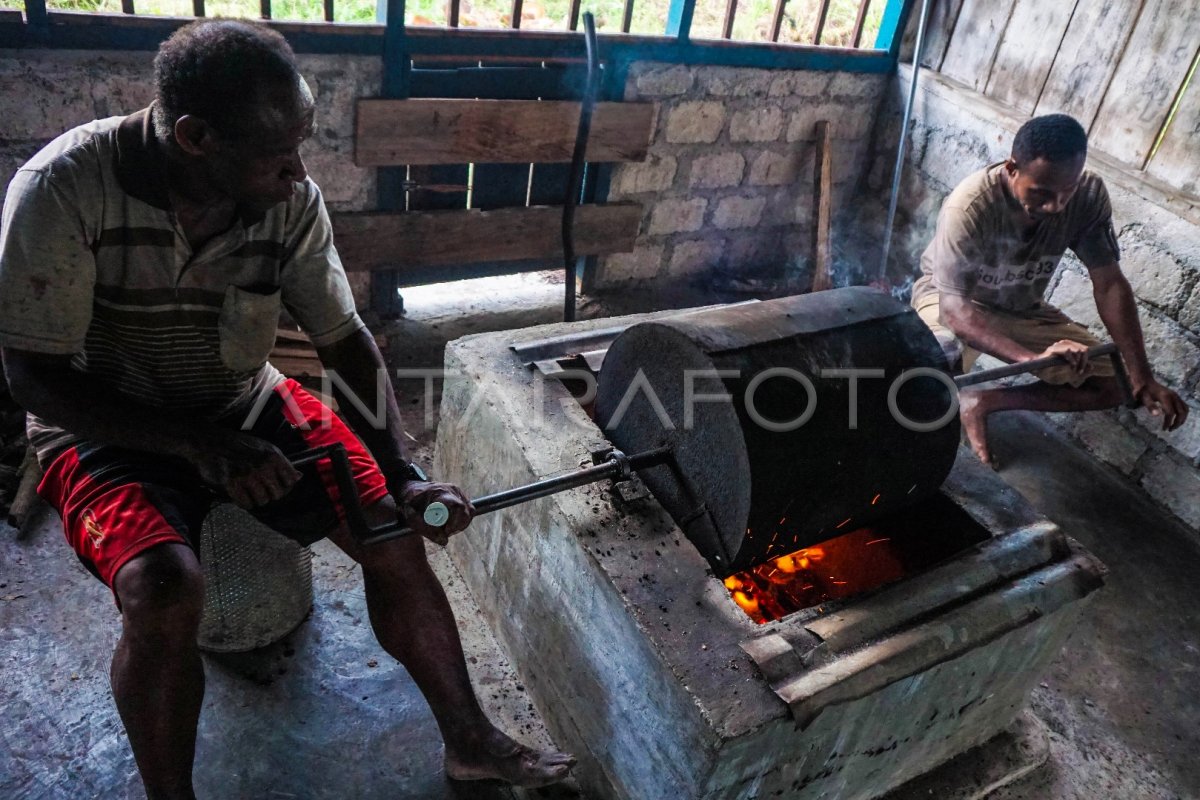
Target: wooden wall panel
(373, 240)
(981, 24)
(443, 131)
(1027, 50)
(1177, 161)
(1147, 80)
(938, 31)
(1088, 58)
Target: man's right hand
(250, 470)
(1075, 354)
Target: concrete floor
(325, 714)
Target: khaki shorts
(1036, 329)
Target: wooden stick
(516, 14)
(777, 19)
(452, 7)
(727, 26)
(627, 17)
(821, 15)
(823, 208)
(856, 37)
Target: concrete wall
(45, 92)
(957, 131)
(728, 183)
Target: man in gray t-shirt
(1000, 235)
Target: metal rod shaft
(587, 106)
(898, 170)
(1022, 367)
(544, 488)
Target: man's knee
(161, 592)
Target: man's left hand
(417, 495)
(1162, 402)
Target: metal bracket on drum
(615, 465)
(1108, 350)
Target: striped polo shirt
(94, 264)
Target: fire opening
(854, 563)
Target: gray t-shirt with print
(980, 253)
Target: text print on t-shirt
(1030, 272)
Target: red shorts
(116, 503)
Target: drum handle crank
(617, 465)
(1108, 350)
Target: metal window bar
(573, 16)
(264, 9)
(127, 7)
(329, 10)
(452, 9)
(197, 8)
(727, 25)
(859, 21)
(821, 17)
(516, 14)
(777, 19)
(627, 17)
(35, 12)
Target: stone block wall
(727, 187)
(956, 131)
(46, 92)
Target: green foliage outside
(752, 23)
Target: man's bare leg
(413, 621)
(975, 405)
(157, 676)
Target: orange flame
(790, 582)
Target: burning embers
(848, 565)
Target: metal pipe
(1022, 367)
(898, 170)
(619, 466)
(575, 178)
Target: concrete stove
(642, 664)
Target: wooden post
(679, 19)
(452, 7)
(821, 16)
(777, 19)
(856, 36)
(727, 25)
(822, 209)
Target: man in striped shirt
(144, 263)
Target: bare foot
(499, 758)
(974, 422)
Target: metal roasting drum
(744, 492)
